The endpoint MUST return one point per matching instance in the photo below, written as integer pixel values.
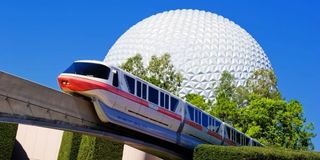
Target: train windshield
(89, 69)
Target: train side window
(153, 95)
(138, 88)
(241, 139)
(144, 91)
(254, 143)
(196, 115)
(199, 117)
(228, 131)
(205, 120)
(161, 99)
(166, 105)
(115, 80)
(233, 135)
(173, 104)
(130, 83)
(213, 128)
(247, 141)
(244, 140)
(217, 125)
(191, 112)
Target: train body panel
(202, 133)
(137, 124)
(131, 102)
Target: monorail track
(26, 102)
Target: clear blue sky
(39, 39)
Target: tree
(258, 110)
(198, 101)
(224, 107)
(159, 72)
(263, 83)
(134, 65)
(276, 122)
(226, 87)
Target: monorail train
(128, 101)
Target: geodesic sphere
(202, 45)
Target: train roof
(92, 61)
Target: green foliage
(85, 147)
(226, 87)
(258, 110)
(263, 83)
(198, 101)
(214, 152)
(105, 149)
(162, 73)
(134, 65)
(277, 123)
(225, 108)
(159, 72)
(69, 146)
(8, 133)
(86, 150)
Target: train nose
(69, 83)
(64, 83)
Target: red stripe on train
(231, 143)
(214, 134)
(194, 125)
(168, 113)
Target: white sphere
(202, 45)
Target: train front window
(89, 69)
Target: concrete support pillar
(39, 142)
(130, 153)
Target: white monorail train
(126, 100)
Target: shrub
(69, 146)
(84, 147)
(215, 152)
(105, 149)
(8, 133)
